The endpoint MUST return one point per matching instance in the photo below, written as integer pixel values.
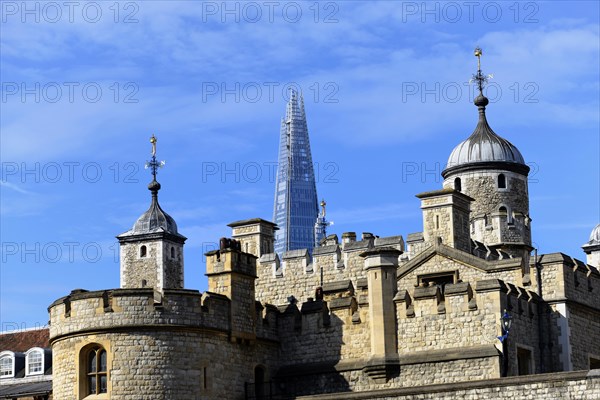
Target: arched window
(501, 181)
(6, 366)
(503, 211)
(172, 252)
(143, 251)
(97, 379)
(457, 184)
(34, 362)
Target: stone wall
(439, 263)
(298, 274)
(176, 346)
(570, 385)
(322, 332)
(573, 317)
(159, 268)
(166, 364)
(584, 325)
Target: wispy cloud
(16, 188)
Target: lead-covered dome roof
(154, 220)
(485, 149)
(594, 237)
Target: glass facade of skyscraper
(296, 206)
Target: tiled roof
(25, 389)
(24, 340)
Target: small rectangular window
(524, 361)
(438, 279)
(594, 363)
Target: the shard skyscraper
(296, 204)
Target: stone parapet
(565, 385)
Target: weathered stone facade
(364, 316)
(356, 316)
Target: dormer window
(34, 362)
(143, 251)
(501, 181)
(7, 366)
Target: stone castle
(460, 310)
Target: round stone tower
(492, 171)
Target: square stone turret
(232, 272)
(151, 252)
(256, 235)
(446, 215)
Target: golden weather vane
(323, 204)
(153, 141)
(153, 164)
(479, 77)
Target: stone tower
(592, 247)
(446, 216)
(296, 209)
(151, 252)
(256, 236)
(492, 171)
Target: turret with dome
(592, 247)
(152, 250)
(492, 171)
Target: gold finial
(153, 141)
(154, 164)
(479, 78)
(478, 54)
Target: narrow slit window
(457, 184)
(501, 181)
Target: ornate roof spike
(479, 77)
(154, 165)
(155, 219)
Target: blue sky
(85, 84)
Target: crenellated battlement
(461, 297)
(119, 308)
(298, 273)
(433, 319)
(567, 278)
